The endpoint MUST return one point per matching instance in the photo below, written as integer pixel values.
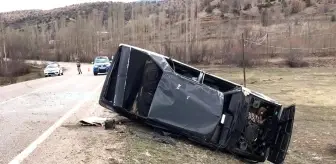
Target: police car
(101, 64)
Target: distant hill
(210, 8)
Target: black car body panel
(178, 98)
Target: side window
(185, 71)
(217, 83)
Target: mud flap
(283, 136)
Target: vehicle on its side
(101, 64)
(177, 98)
(53, 69)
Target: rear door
(282, 138)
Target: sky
(11, 5)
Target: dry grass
(312, 89)
(141, 149)
(13, 68)
(19, 72)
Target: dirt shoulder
(72, 143)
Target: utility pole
(186, 32)
(4, 49)
(290, 38)
(267, 48)
(243, 51)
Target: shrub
(209, 9)
(238, 60)
(236, 7)
(297, 6)
(206, 3)
(250, 57)
(247, 6)
(264, 17)
(7, 80)
(224, 8)
(198, 52)
(294, 60)
(296, 20)
(333, 18)
(326, 8)
(14, 68)
(308, 3)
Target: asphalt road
(29, 109)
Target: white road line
(26, 152)
(36, 90)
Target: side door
(187, 105)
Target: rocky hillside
(191, 30)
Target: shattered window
(185, 71)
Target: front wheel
(95, 73)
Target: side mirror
(92, 63)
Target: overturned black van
(177, 98)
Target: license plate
(102, 67)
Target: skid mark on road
(26, 152)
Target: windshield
(102, 60)
(52, 66)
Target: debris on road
(117, 120)
(177, 98)
(107, 123)
(147, 153)
(93, 121)
(317, 158)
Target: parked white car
(53, 69)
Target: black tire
(150, 80)
(95, 74)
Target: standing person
(79, 67)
